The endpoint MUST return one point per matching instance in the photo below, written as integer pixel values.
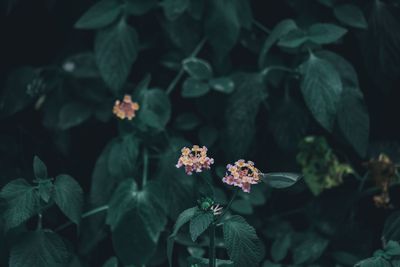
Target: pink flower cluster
(194, 159)
(242, 174)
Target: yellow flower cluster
(125, 109)
(242, 174)
(194, 159)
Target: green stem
(228, 206)
(261, 27)
(39, 224)
(145, 166)
(84, 215)
(211, 261)
(265, 71)
(181, 72)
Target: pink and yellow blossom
(242, 174)
(194, 159)
(125, 109)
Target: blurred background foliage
(306, 86)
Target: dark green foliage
(307, 89)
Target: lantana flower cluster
(194, 159)
(242, 174)
(125, 109)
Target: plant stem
(39, 223)
(228, 206)
(178, 77)
(211, 260)
(261, 27)
(265, 71)
(84, 215)
(145, 166)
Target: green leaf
(293, 38)
(101, 14)
(194, 88)
(322, 88)
(242, 206)
(111, 262)
(45, 190)
(203, 262)
(14, 95)
(155, 108)
(391, 229)
(355, 124)
(325, 33)
(68, 195)
(42, 248)
(280, 247)
(224, 36)
(350, 15)
(208, 135)
(123, 155)
(241, 242)
(280, 179)
(22, 202)
(199, 223)
(186, 121)
(310, 249)
(223, 85)
(271, 264)
(280, 29)
(73, 114)
(241, 112)
(197, 68)
(39, 168)
(142, 209)
(173, 9)
(374, 262)
(81, 65)
(116, 49)
(140, 7)
(183, 218)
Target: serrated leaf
(350, 15)
(224, 85)
(101, 14)
(194, 88)
(68, 195)
(325, 33)
(241, 242)
(116, 49)
(280, 247)
(224, 37)
(186, 121)
(140, 7)
(39, 168)
(322, 88)
(199, 223)
(197, 68)
(174, 8)
(41, 248)
(280, 179)
(155, 108)
(22, 202)
(280, 29)
(143, 209)
(73, 114)
(182, 219)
